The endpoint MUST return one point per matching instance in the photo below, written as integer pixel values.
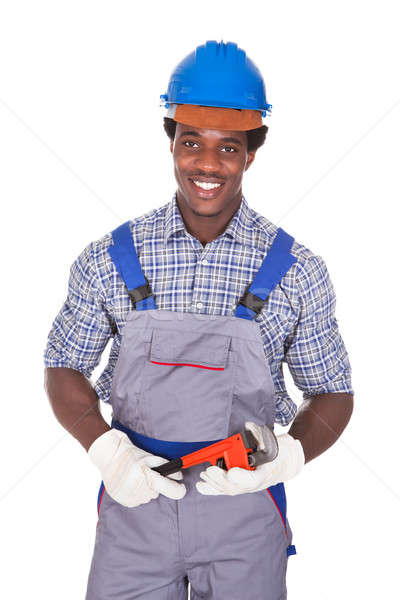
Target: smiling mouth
(206, 188)
(205, 185)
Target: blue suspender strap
(125, 259)
(275, 265)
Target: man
(204, 299)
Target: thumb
(178, 476)
(152, 460)
(165, 485)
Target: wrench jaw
(249, 439)
(270, 450)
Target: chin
(202, 213)
(205, 208)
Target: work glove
(127, 473)
(287, 464)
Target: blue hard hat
(220, 75)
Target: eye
(230, 148)
(189, 142)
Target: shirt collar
(240, 228)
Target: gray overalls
(183, 381)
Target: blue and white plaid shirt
(298, 324)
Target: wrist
(90, 430)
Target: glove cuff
(295, 449)
(105, 446)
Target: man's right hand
(127, 471)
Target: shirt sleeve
(83, 327)
(315, 352)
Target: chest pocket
(187, 386)
(190, 349)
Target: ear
(250, 157)
(171, 146)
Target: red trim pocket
(188, 365)
(189, 349)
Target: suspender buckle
(251, 301)
(141, 292)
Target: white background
(82, 149)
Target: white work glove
(289, 461)
(126, 471)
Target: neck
(207, 228)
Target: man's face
(209, 156)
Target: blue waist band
(169, 450)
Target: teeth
(205, 185)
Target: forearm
(320, 421)
(75, 404)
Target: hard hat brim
(210, 117)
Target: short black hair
(255, 137)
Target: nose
(208, 160)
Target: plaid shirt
(297, 324)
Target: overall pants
(183, 381)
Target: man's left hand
(289, 461)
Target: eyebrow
(232, 140)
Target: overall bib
(183, 381)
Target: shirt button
(199, 305)
(204, 261)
